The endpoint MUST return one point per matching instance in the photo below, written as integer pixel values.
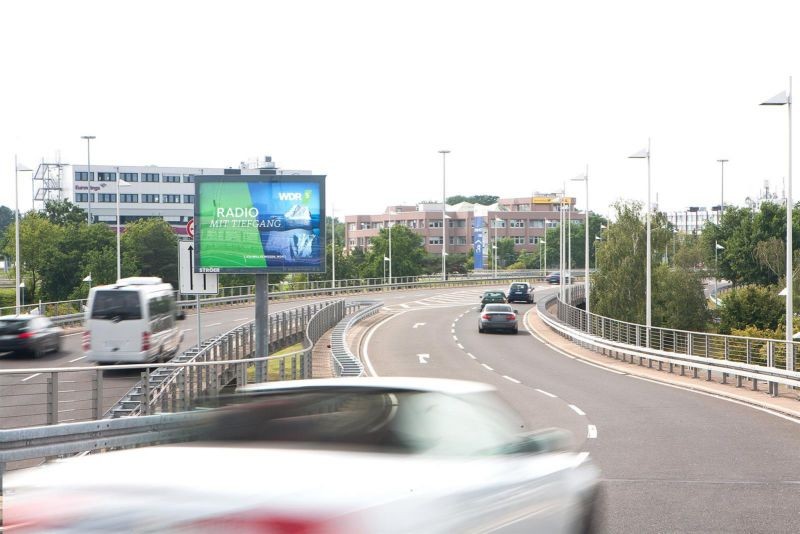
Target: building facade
(149, 191)
(524, 220)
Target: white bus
(132, 321)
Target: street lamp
(596, 238)
(717, 248)
(585, 178)
(782, 99)
(645, 154)
(543, 269)
(17, 169)
(495, 249)
(722, 163)
(22, 287)
(120, 183)
(89, 174)
(444, 224)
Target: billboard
(258, 224)
(477, 243)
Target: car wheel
(37, 352)
(515, 330)
(480, 330)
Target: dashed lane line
(512, 379)
(487, 367)
(577, 410)
(592, 432)
(543, 392)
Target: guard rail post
(52, 398)
(97, 408)
(145, 399)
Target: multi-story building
(150, 191)
(523, 220)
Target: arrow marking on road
(423, 358)
(418, 324)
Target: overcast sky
(525, 94)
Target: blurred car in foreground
(492, 297)
(29, 334)
(520, 291)
(498, 317)
(354, 455)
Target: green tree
(407, 254)
(6, 219)
(678, 299)
(153, 249)
(38, 242)
(751, 305)
(485, 200)
(63, 212)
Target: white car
(354, 455)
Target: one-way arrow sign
(190, 282)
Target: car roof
(441, 385)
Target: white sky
(524, 94)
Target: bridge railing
(756, 359)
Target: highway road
(672, 460)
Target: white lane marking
(28, 378)
(76, 359)
(471, 355)
(417, 325)
(720, 397)
(369, 337)
(460, 346)
(453, 330)
(214, 324)
(455, 338)
(543, 392)
(581, 457)
(406, 306)
(489, 368)
(577, 410)
(423, 358)
(241, 319)
(512, 379)
(592, 432)
(456, 320)
(600, 367)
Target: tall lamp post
(596, 238)
(717, 248)
(585, 178)
(784, 99)
(722, 163)
(645, 154)
(543, 269)
(120, 183)
(390, 252)
(444, 154)
(545, 247)
(17, 169)
(89, 174)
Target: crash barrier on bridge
(70, 312)
(51, 396)
(771, 361)
(343, 361)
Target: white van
(132, 321)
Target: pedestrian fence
(770, 361)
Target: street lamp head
(778, 100)
(580, 178)
(88, 137)
(722, 161)
(642, 154)
(598, 238)
(23, 168)
(123, 183)
(444, 152)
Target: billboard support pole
(262, 294)
(199, 337)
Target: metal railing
(343, 361)
(755, 359)
(54, 395)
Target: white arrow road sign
(423, 358)
(190, 282)
(418, 324)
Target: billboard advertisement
(258, 224)
(477, 243)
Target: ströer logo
(290, 196)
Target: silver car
(498, 317)
(348, 455)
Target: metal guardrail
(54, 395)
(343, 361)
(754, 359)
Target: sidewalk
(787, 402)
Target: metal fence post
(145, 401)
(98, 394)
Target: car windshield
(519, 287)
(505, 308)
(493, 294)
(119, 305)
(383, 420)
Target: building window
(519, 239)
(150, 198)
(81, 176)
(171, 199)
(188, 178)
(435, 224)
(458, 240)
(129, 198)
(533, 240)
(106, 197)
(129, 176)
(436, 240)
(456, 223)
(83, 197)
(536, 223)
(499, 223)
(523, 207)
(516, 223)
(150, 177)
(188, 199)
(552, 224)
(172, 178)
(106, 177)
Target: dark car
(493, 297)
(520, 292)
(29, 334)
(555, 278)
(498, 317)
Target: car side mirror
(516, 311)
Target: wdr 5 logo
(295, 197)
